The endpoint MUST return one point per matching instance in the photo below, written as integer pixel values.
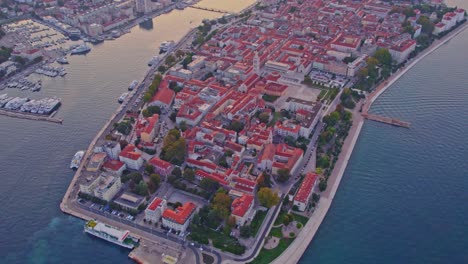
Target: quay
(31, 116)
(387, 120)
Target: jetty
(30, 116)
(387, 120)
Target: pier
(30, 116)
(387, 120)
(211, 9)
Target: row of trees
(378, 66)
(153, 88)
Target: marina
(36, 109)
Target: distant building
(161, 167)
(130, 201)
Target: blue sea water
(403, 197)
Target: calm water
(403, 198)
(34, 156)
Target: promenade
(295, 251)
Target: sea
(35, 156)
(402, 199)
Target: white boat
(122, 97)
(153, 61)
(166, 46)
(82, 49)
(76, 161)
(133, 85)
(110, 233)
(62, 60)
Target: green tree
(245, 231)
(177, 172)
(264, 117)
(322, 185)
(155, 178)
(141, 188)
(427, 26)
(383, 56)
(147, 97)
(189, 174)
(208, 184)
(268, 197)
(236, 126)
(149, 168)
(221, 204)
(283, 175)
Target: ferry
(166, 46)
(122, 97)
(133, 85)
(82, 49)
(110, 233)
(76, 161)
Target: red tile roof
(181, 213)
(155, 204)
(130, 153)
(164, 95)
(306, 187)
(113, 165)
(241, 205)
(157, 162)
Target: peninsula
(233, 146)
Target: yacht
(82, 49)
(153, 61)
(166, 46)
(122, 97)
(62, 60)
(76, 161)
(133, 85)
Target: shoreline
(297, 248)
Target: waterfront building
(96, 161)
(242, 209)
(105, 186)
(155, 209)
(305, 191)
(402, 51)
(112, 148)
(179, 219)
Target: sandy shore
(295, 251)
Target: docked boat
(166, 46)
(123, 97)
(154, 60)
(110, 233)
(133, 85)
(76, 161)
(37, 86)
(81, 49)
(62, 60)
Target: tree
(147, 97)
(170, 60)
(322, 185)
(264, 117)
(189, 174)
(245, 231)
(236, 126)
(149, 168)
(427, 26)
(231, 221)
(267, 197)
(177, 172)
(155, 178)
(383, 56)
(221, 203)
(208, 184)
(323, 161)
(141, 188)
(283, 175)
(183, 126)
